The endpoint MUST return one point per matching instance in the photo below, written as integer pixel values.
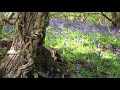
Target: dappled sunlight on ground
(90, 49)
(87, 46)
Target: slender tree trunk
(116, 19)
(28, 57)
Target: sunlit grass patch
(86, 44)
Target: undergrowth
(90, 49)
(87, 49)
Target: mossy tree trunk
(27, 57)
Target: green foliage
(102, 63)
(91, 16)
(94, 17)
(7, 35)
(2, 53)
(76, 47)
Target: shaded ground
(5, 44)
(98, 66)
(80, 64)
(111, 48)
(56, 57)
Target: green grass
(107, 64)
(2, 53)
(76, 47)
(7, 35)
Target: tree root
(16, 67)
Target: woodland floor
(90, 50)
(5, 45)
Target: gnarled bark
(27, 56)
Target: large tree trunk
(28, 57)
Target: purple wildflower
(95, 41)
(86, 65)
(110, 46)
(117, 37)
(65, 43)
(78, 66)
(99, 53)
(68, 36)
(8, 28)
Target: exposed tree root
(51, 65)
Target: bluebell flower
(92, 31)
(101, 30)
(78, 66)
(99, 53)
(95, 41)
(8, 28)
(117, 37)
(110, 46)
(86, 65)
(115, 50)
(110, 34)
(68, 36)
(65, 43)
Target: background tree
(82, 39)
(114, 19)
(27, 56)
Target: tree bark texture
(115, 18)
(27, 57)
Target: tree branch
(106, 17)
(10, 16)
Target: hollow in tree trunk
(28, 57)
